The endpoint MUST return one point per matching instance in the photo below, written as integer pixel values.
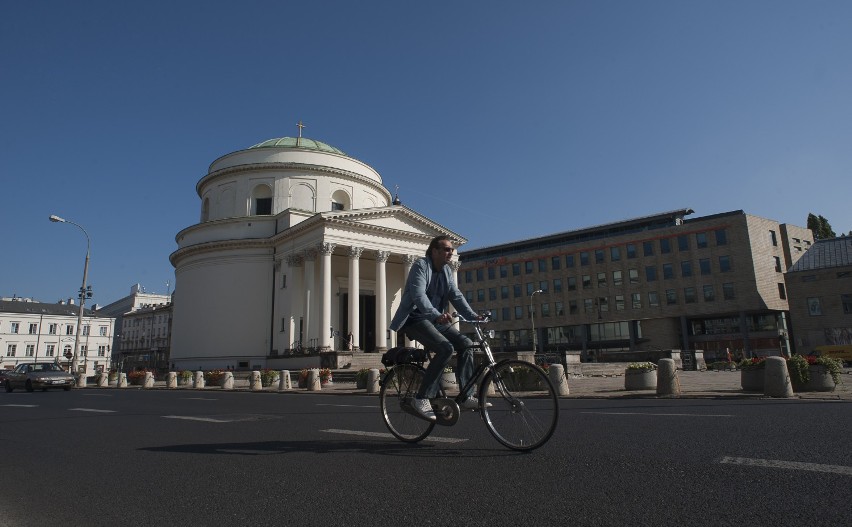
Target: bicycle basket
(403, 355)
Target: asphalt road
(134, 457)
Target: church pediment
(394, 219)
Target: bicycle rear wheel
(399, 386)
(524, 406)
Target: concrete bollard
(314, 384)
(255, 383)
(284, 381)
(149, 380)
(556, 372)
(81, 380)
(228, 380)
(667, 380)
(171, 380)
(776, 378)
(122, 380)
(373, 380)
(198, 381)
(103, 380)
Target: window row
(53, 329)
(50, 350)
(815, 305)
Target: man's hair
(434, 243)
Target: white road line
(198, 399)
(93, 410)
(434, 439)
(665, 415)
(190, 418)
(790, 465)
(349, 405)
(97, 395)
(22, 405)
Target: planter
(640, 380)
(820, 381)
(751, 380)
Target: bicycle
(518, 403)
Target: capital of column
(294, 260)
(382, 256)
(409, 259)
(355, 252)
(326, 248)
(455, 265)
(310, 254)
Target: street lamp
(84, 292)
(532, 318)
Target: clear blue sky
(500, 120)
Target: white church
(298, 246)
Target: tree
(820, 226)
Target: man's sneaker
(472, 403)
(423, 408)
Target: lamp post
(83, 291)
(532, 318)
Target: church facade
(299, 247)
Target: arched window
(261, 198)
(340, 201)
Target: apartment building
(664, 281)
(146, 335)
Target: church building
(299, 247)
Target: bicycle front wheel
(523, 407)
(399, 387)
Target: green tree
(820, 226)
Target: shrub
(213, 377)
(797, 366)
(754, 363)
(268, 377)
(641, 366)
(136, 377)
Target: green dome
(301, 142)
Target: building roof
(825, 254)
(41, 308)
(298, 142)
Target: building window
(519, 312)
(530, 288)
(668, 271)
(33, 329)
(545, 310)
(636, 300)
(468, 296)
(689, 295)
(30, 350)
(633, 276)
(601, 279)
(584, 258)
(701, 240)
(587, 281)
(814, 307)
(709, 293)
(653, 299)
(557, 285)
(617, 278)
(686, 269)
(504, 292)
(69, 329)
(51, 329)
(572, 283)
(728, 291)
(846, 300)
(603, 304)
(49, 350)
(650, 273)
(492, 273)
(572, 307)
(101, 351)
(528, 267)
(777, 264)
(11, 349)
(492, 293)
(671, 297)
(542, 265)
(504, 271)
(517, 290)
(773, 239)
(479, 275)
(558, 307)
(724, 264)
(599, 256)
(516, 269)
(648, 248)
(614, 254)
(665, 246)
(556, 263)
(631, 250)
(505, 313)
(588, 305)
(721, 237)
(683, 242)
(14, 327)
(86, 329)
(569, 260)
(480, 295)
(704, 265)
(782, 292)
(543, 286)
(619, 302)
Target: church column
(325, 338)
(408, 260)
(295, 308)
(381, 301)
(310, 333)
(354, 295)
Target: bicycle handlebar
(486, 314)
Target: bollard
(103, 380)
(556, 372)
(171, 380)
(149, 380)
(314, 384)
(122, 380)
(198, 382)
(373, 380)
(228, 380)
(255, 382)
(667, 380)
(81, 380)
(776, 378)
(284, 381)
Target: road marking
(790, 465)
(198, 399)
(434, 439)
(666, 415)
(93, 410)
(22, 405)
(348, 405)
(204, 419)
(97, 395)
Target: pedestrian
(422, 316)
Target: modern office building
(820, 294)
(665, 281)
(32, 331)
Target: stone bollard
(198, 381)
(373, 380)
(314, 384)
(103, 380)
(255, 383)
(171, 380)
(284, 381)
(122, 380)
(149, 380)
(556, 372)
(81, 380)
(228, 380)
(776, 378)
(667, 380)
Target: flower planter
(820, 381)
(751, 380)
(640, 380)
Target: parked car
(38, 375)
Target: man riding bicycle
(422, 316)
